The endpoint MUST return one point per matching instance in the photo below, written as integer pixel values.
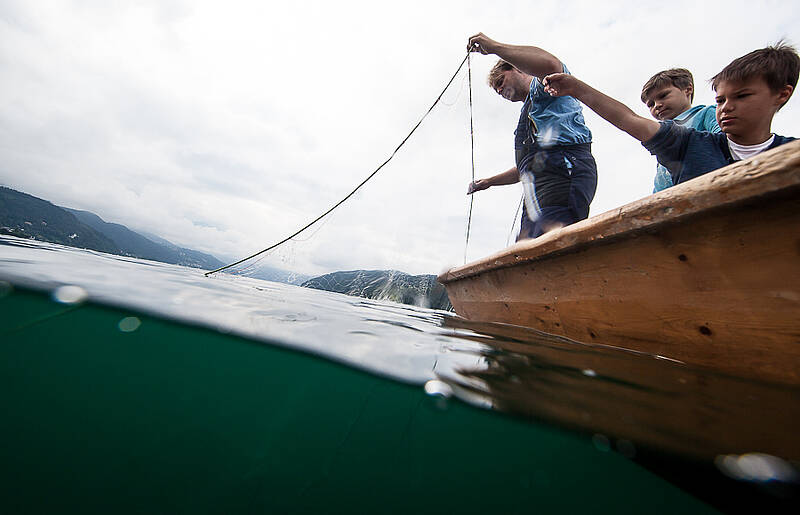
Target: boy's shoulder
(671, 133)
(699, 117)
(687, 152)
(780, 140)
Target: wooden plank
(771, 172)
(706, 274)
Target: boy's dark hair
(778, 65)
(681, 78)
(497, 71)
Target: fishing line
(460, 89)
(370, 176)
(514, 222)
(472, 148)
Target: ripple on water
(630, 401)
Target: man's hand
(562, 84)
(482, 43)
(480, 184)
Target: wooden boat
(706, 272)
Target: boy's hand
(562, 85)
(482, 43)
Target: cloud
(227, 127)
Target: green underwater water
(170, 418)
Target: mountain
(27, 216)
(277, 275)
(134, 244)
(265, 272)
(417, 290)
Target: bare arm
(527, 59)
(563, 84)
(510, 176)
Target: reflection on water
(623, 400)
(634, 396)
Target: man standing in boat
(552, 143)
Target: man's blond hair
(497, 71)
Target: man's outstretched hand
(481, 43)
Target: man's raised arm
(563, 84)
(527, 59)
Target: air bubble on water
(129, 324)
(757, 467)
(589, 372)
(626, 448)
(601, 442)
(70, 294)
(438, 388)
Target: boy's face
(513, 85)
(668, 102)
(745, 109)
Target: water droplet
(129, 324)
(589, 372)
(438, 388)
(601, 442)
(626, 448)
(69, 294)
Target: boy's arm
(527, 59)
(563, 84)
(510, 176)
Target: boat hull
(705, 273)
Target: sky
(226, 126)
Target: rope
(370, 176)
(514, 222)
(472, 149)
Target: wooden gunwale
(776, 172)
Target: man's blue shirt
(548, 121)
(688, 153)
(557, 120)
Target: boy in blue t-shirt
(749, 91)
(552, 144)
(668, 95)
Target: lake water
(135, 386)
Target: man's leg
(552, 217)
(583, 181)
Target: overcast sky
(225, 126)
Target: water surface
(598, 404)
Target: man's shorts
(559, 183)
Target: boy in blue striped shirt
(668, 95)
